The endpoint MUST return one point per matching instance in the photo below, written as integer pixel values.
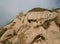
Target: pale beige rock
(29, 29)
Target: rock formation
(38, 26)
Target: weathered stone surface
(37, 27)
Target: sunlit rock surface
(38, 26)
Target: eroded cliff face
(36, 27)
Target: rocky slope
(38, 26)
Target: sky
(10, 8)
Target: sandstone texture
(38, 26)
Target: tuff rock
(38, 26)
